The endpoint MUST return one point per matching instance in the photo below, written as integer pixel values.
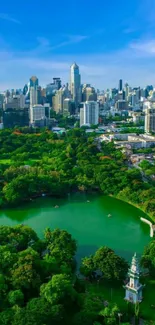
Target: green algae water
(86, 218)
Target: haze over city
(108, 40)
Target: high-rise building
(68, 107)
(25, 89)
(120, 85)
(150, 119)
(58, 99)
(1, 100)
(34, 84)
(15, 117)
(75, 84)
(15, 102)
(51, 90)
(121, 105)
(33, 96)
(88, 93)
(89, 113)
(39, 114)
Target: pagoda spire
(133, 287)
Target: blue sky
(108, 39)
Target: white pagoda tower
(133, 287)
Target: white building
(33, 97)
(150, 119)
(75, 84)
(37, 112)
(89, 113)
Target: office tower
(112, 93)
(149, 88)
(150, 119)
(88, 93)
(51, 90)
(59, 97)
(15, 102)
(121, 105)
(57, 82)
(75, 84)
(89, 113)
(120, 86)
(33, 97)
(34, 83)
(15, 117)
(68, 107)
(25, 89)
(1, 100)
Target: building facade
(33, 88)
(89, 113)
(88, 93)
(37, 112)
(15, 117)
(68, 107)
(58, 99)
(75, 84)
(150, 119)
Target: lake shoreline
(95, 192)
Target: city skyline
(108, 42)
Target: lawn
(116, 294)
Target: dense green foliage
(148, 258)
(107, 263)
(34, 162)
(38, 284)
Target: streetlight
(119, 316)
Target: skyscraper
(88, 93)
(75, 84)
(120, 85)
(34, 83)
(89, 113)
(150, 119)
(59, 97)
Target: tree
(87, 266)
(148, 258)
(61, 245)
(16, 297)
(59, 290)
(25, 272)
(106, 261)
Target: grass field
(115, 294)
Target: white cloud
(101, 70)
(9, 18)
(145, 47)
(71, 39)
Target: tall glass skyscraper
(120, 85)
(34, 83)
(75, 84)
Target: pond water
(86, 218)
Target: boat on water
(109, 215)
(56, 206)
(88, 201)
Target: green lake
(88, 222)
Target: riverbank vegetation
(35, 162)
(39, 284)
